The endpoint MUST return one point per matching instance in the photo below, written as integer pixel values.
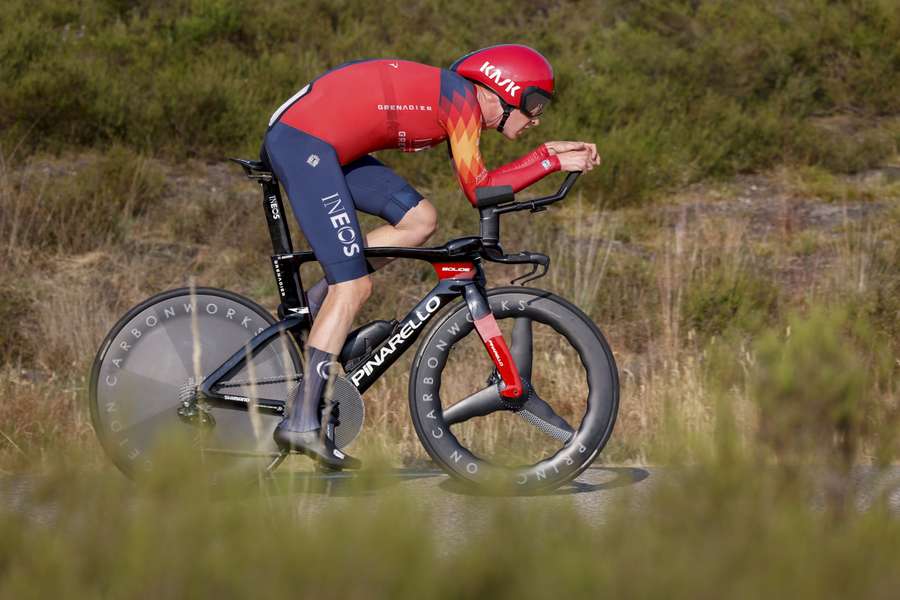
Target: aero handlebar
(495, 201)
(536, 204)
(498, 200)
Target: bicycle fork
(492, 338)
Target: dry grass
(666, 285)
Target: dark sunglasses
(534, 102)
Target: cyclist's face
(517, 123)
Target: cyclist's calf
(352, 293)
(335, 317)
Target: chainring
(352, 411)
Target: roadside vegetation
(714, 276)
(674, 90)
(726, 527)
(739, 247)
(116, 117)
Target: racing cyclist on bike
(318, 145)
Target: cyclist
(318, 145)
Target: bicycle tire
(588, 439)
(148, 408)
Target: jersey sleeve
(461, 117)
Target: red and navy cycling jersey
(371, 105)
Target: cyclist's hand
(561, 147)
(577, 160)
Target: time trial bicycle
(532, 414)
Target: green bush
(673, 90)
(719, 301)
(813, 385)
(845, 145)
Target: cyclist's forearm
(523, 176)
(518, 178)
(540, 153)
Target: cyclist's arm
(472, 173)
(537, 155)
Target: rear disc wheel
(154, 358)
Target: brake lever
(495, 254)
(527, 276)
(539, 261)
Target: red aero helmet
(520, 75)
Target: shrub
(813, 387)
(81, 210)
(721, 300)
(673, 90)
(14, 312)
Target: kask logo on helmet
(496, 75)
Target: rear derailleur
(191, 409)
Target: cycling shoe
(313, 444)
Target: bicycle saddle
(254, 169)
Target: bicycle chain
(265, 381)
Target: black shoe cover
(315, 445)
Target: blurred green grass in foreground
(724, 528)
(777, 510)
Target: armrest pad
(493, 195)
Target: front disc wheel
(541, 441)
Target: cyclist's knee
(421, 220)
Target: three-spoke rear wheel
(572, 393)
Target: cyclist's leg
(311, 173)
(379, 191)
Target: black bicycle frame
(294, 312)
(296, 319)
(369, 368)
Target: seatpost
(278, 229)
(286, 268)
